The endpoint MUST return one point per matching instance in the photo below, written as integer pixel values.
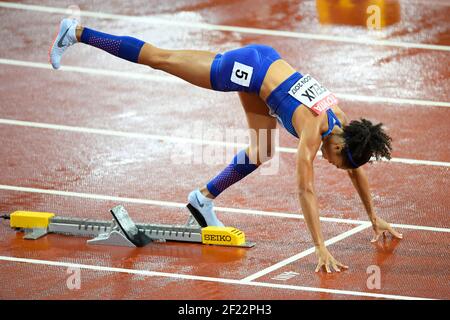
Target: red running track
(412, 195)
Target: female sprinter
(267, 86)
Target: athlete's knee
(154, 57)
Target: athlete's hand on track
(326, 260)
(381, 227)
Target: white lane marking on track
(202, 278)
(305, 253)
(400, 101)
(93, 71)
(218, 209)
(173, 139)
(212, 27)
(169, 79)
(444, 3)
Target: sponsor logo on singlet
(242, 74)
(313, 95)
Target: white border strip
(207, 26)
(94, 71)
(400, 101)
(209, 279)
(305, 253)
(170, 79)
(218, 209)
(173, 139)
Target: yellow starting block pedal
(225, 236)
(30, 220)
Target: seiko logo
(216, 237)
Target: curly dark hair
(364, 140)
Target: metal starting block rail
(122, 231)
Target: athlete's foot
(202, 209)
(65, 38)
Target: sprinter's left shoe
(202, 209)
(65, 38)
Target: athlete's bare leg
(258, 119)
(193, 66)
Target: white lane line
(202, 278)
(419, 162)
(94, 71)
(171, 79)
(173, 139)
(213, 27)
(305, 253)
(400, 101)
(122, 134)
(218, 209)
(444, 3)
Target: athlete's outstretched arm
(361, 184)
(307, 150)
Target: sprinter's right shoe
(65, 38)
(202, 209)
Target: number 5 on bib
(241, 74)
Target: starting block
(122, 231)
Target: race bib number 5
(241, 74)
(313, 95)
